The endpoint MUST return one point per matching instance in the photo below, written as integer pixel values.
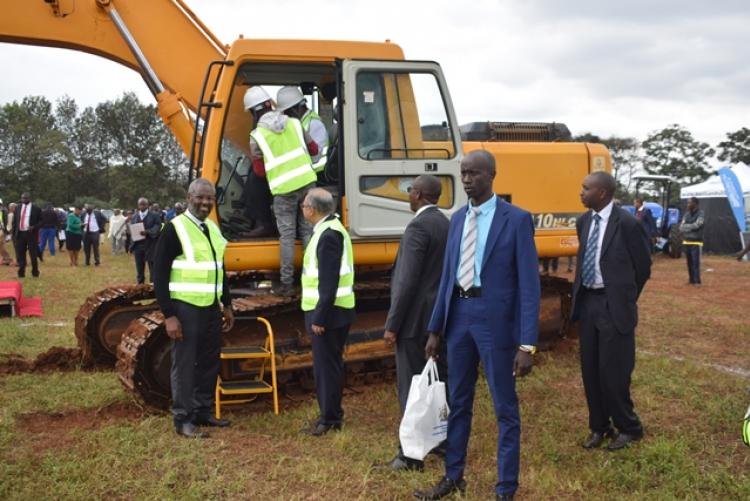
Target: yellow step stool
(266, 357)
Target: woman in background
(73, 235)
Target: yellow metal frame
(268, 352)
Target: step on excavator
(389, 119)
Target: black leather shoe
(320, 429)
(624, 440)
(596, 438)
(444, 488)
(440, 449)
(211, 421)
(402, 463)
(504, 497)
(188, 429)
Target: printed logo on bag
(444, 413)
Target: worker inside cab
(292, 103)
(280, 152)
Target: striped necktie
(588, 275)
(466, 269)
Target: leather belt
(593, 291)
(469, 293)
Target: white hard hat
(255, 96)
(287, 97)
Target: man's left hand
(389, 337)
(228, 321)
(522, 364)
(318, 330)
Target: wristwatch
(527, 348)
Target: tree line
(120, 150)
(671, 151)
(109, 154)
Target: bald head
(477, 175)
(597, 191)
(320, 201)
(483, 159)
(429, 188)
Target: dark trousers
(328, 371)
(607, 361)
(47, 238)
(139, 253)
(26, 241)
(91, 242)
(195, 361)
(471, 339)
(693, 255)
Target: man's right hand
(174, 328)
(431, 348)
(389, 337)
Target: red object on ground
(25, 306)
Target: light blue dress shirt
(484, 221)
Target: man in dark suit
(414, 285)
(613, 265)
(646, 218)
(487, 310)
(27, 220)
(93, 223)
(143, 249)
(328, 303)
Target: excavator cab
(388, 122)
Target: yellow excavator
(390, 120)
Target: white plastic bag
(425, 421)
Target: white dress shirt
(93, 224)
(23, 224)
(604, 215)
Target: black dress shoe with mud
(624, 440)
(403, 463)
(212, 421)
(320, 429)
(596, 438)
(444, 488)
(188, 429)
(504, 497)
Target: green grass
(79, 435)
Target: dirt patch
(55, 359)
(52, 430)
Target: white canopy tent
(720, 233)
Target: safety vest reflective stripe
(313, 272)
(286, 157)
(192, 265)
(182, 234)
(321, 163)
(202, 288)
(340, 292)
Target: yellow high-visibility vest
(310, 282)
(287, 162)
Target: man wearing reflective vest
(328, 303)
(291, 101)
(280, 150)
(192, 291)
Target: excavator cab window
(244, 199)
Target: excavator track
(144, 358)
(104, 316)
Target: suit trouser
(290, 222)
(91, 242)
(139, 253)
(26, 241)
(607, 362)
(470, 338)
(693, 256)
(328, 371)
(47, 238)
(195, 361)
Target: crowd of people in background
(34, 231)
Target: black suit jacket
(625, 265)
(101, 221)
(329, 252)
(35, 219)
(152, 227)
(416, 276)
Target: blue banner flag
(734, 195)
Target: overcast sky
(623, 68)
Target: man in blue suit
(487, 310)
